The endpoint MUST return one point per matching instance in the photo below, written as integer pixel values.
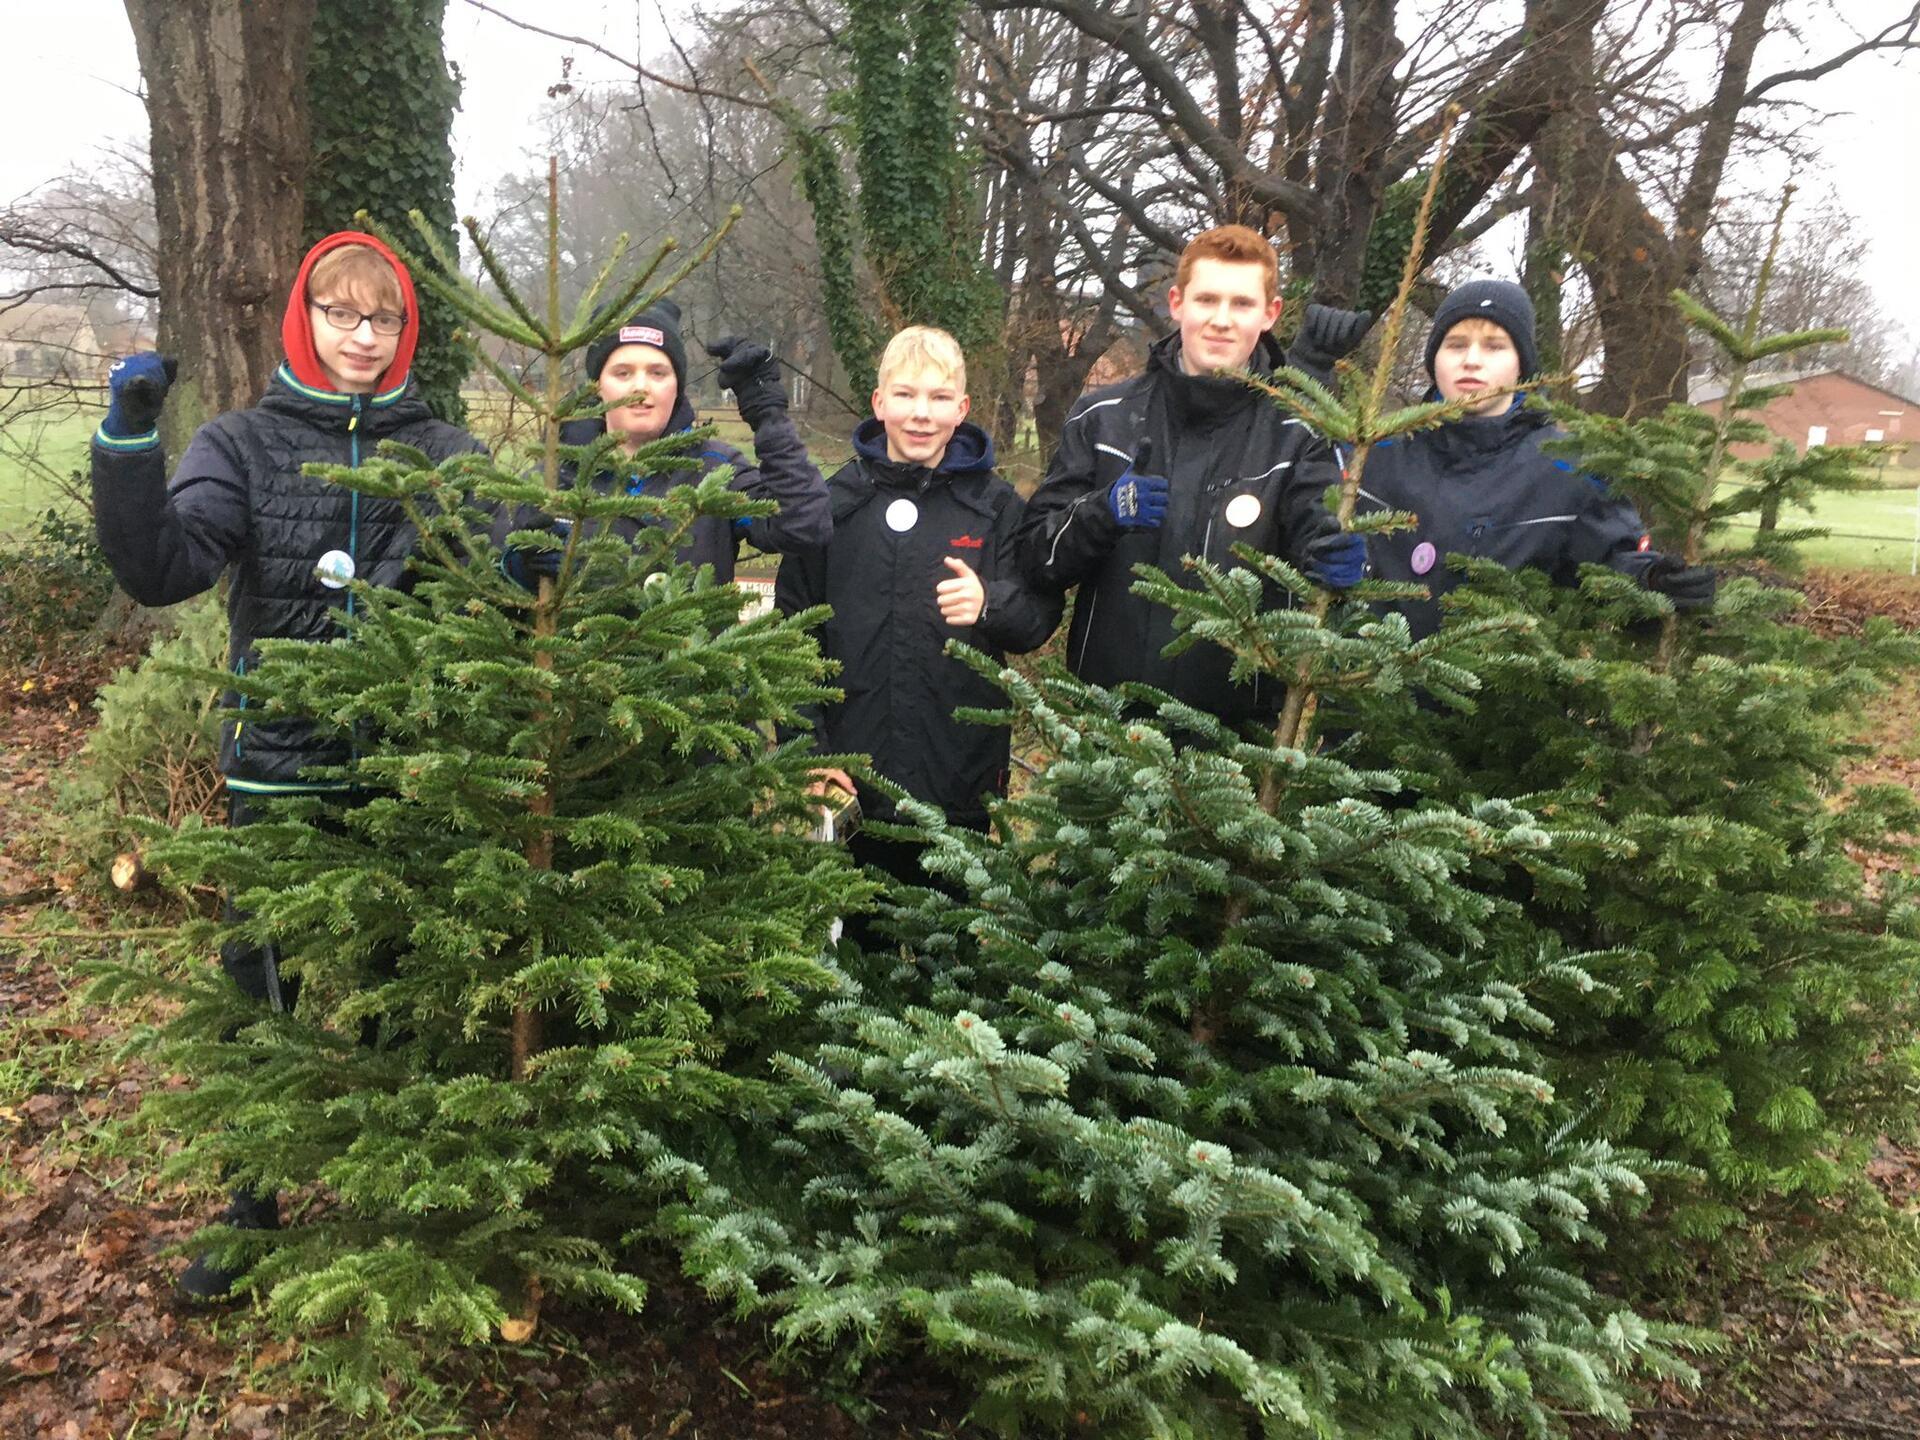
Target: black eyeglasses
(345, 317)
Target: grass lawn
(37, 456)
(1872, 529)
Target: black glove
(1690, 587)
(138, 387)
(749, 370)
(1326, 335)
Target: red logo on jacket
(968, 542)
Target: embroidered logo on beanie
(642, 335)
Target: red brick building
(1831, 407)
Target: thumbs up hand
(963, 598)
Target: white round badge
(1243, 510)
(335, 569)
(902, 515)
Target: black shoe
(205, 1283)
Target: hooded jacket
(1219, 442)
(894, 525)
(1483, 486)
(783, 473)
(239, 504)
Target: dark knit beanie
(1502, 302)
(658, 326)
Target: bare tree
(1817, 284)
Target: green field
(1893, 516)
(38, 457)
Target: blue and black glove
(1138, 499)
(749, 370)
(1337, 560)
(138, 387)
(1689, 587)
(527, 567)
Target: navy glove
(1690, 587)
(1327, 335)
(1337, 560)
(1137, 499)
(138, 387)
(749, 370)
(526, 567)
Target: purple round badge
(1423, 557)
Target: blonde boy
(921, 553)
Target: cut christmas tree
(559, 907)
(1210, 1107)
(1758, 1022)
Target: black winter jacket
(1484, 487)
(238, 500)
(893, 526)
(1216, 440)
(784, 473)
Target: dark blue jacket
(783, 473)
(893, 526)
(239, 503)
(1484, 487)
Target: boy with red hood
(239, 505)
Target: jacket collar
(287, 394)
(1467, 441)
(969, 452)
(1206, 398)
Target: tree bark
(1695, 211)
(1634, 267)
(227, 101)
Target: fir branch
(503, 282)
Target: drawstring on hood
(296, 328)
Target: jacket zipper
(353, 505)
(1086, 633)
(240, 668)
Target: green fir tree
(564, 909)
(1208, 1106)
(1757, 1018)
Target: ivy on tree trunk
(383, 102)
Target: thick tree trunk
(1634, 268)
(1357, 129)
(226, 85)
(1695, 210)
(1545, 271)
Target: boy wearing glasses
(290, 544)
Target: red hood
(296, 330)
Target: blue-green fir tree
(563, 903)
(1756, 1024)
(1200, 1098)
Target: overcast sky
(69, 82)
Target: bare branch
(639, 70)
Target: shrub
(53, 583)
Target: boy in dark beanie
(640, 368)
(1482, 485)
